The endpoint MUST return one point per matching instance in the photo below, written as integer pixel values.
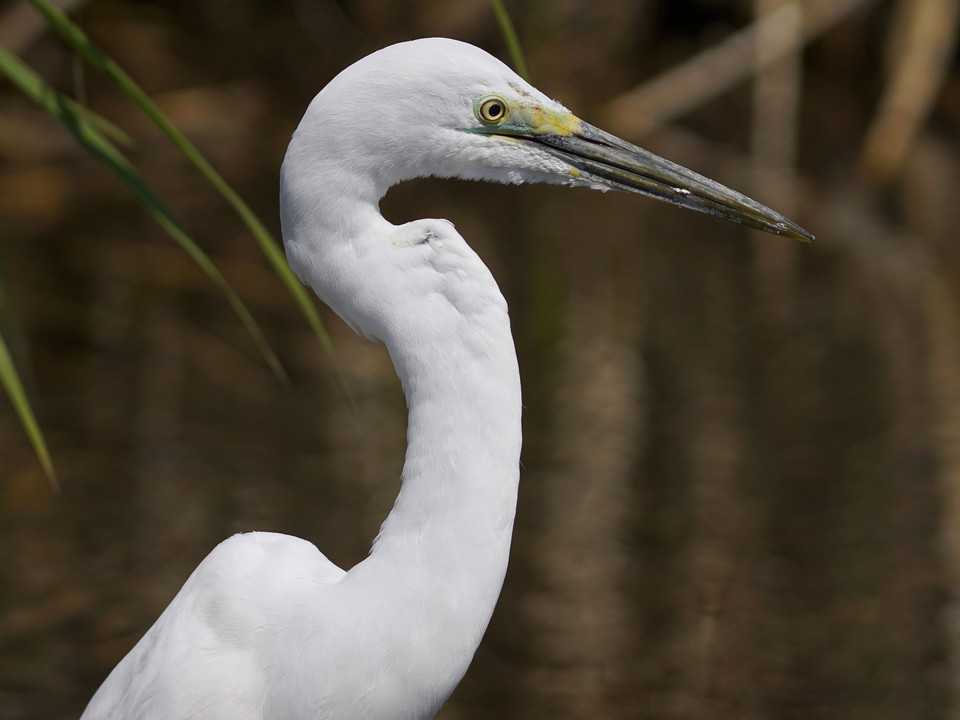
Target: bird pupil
(492, 110)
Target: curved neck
(433, 576)
(460, 476)
(427, 590)
(438, 564)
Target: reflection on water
(725, 512)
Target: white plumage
(266, 626)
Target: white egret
(266, 626)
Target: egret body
(266, 626)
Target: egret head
(439, 107)
(443, 108)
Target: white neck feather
(442, 552)
(425, 594)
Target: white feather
(267, 627)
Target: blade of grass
(100, 123)
(77, 39)
(18, 397)
(510, 35)
(34, 87)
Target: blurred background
(740, 494)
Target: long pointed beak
(606, 160)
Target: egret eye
(492, 110)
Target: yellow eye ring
(492, 110)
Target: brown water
(739, 465)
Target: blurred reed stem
(79, 41)
(98, 145)
(10, 380)
(510, 35)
